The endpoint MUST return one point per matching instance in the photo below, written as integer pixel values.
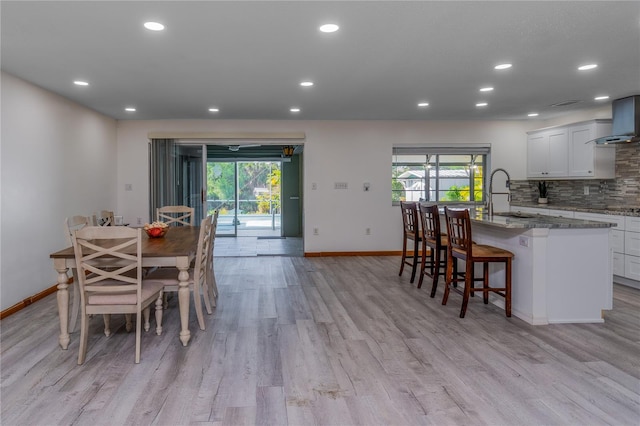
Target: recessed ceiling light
(423, 104)
(587, 67)
(80, 83)
(306, 83)
(503, 66)
(600, 98)
(533, 114)
(294, 109)
(486, 89)
(213, 110)
(482, 104)
(154, 26)
(329, 28)
(130, 109)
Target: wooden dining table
(176, 249)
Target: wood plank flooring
(327, 341)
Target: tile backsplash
(623, 190)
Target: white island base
(559, 275)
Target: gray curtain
(162, 166)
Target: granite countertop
(618, 211)
(525, 221)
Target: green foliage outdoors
(251, 175)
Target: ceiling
(248, 58)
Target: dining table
(176, 249)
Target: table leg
(63, 302)
(183, 299)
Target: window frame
(474, 151)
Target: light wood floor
(330, 341)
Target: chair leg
(435, 271)
(448, 277)
(75, 306)
(146, 313)
(159, 313)
(485, 283)
(468, 282)
(414, 267)
(404, 254)
(507, 296)
(214, 287)
(127, 323)
(423, 263)
(107, 321)
(207, 298)
(138, 333)
(197, 302)
(84, 338)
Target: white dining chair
(71, 224)
(175, 215)
(197, 274)
(110, 279)
(212, 287)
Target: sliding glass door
(222, 195)
(247, 194)
(246, 188)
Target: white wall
(334, 151)
(58, 160)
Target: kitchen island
(561, 269)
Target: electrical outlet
(524, 241)
(139, 221)
(586, 190)
(128, 187)
(367, 231)
(314, 186)
(315, 231)
(366, 186)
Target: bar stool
(461, 247)
(411, 231)
(433, 238)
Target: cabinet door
(586, 159)
(581, 161)
(558, 155)
(537, 155)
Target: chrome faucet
(491, 193)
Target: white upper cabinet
(569, 152)
(586, 159)
(548, 153)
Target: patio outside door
(247, 194)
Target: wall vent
(565, 103)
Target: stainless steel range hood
(626, 121)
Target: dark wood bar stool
(461, 246)
(410, 232)
(433, 238)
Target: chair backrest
(175, 215)
(410, 219)
(430, 221)
(214, 221)
(202, 252)
(212, 239)
(73, 223)
(459, 230)
(113, 257)
(105, 218)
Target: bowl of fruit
(156, 229)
